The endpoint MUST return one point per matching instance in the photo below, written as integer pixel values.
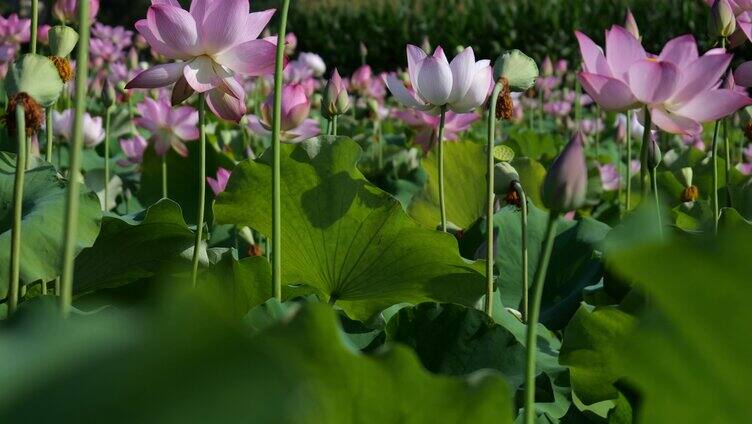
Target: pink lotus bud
(547, 67)
(295, 107)
(43, 34)
(67, 10)
(565, 186)
(722, 19)
(219, 184)
(336, 100)
(562, 66)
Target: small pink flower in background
(133, 149)
(461, 85)
(590, 126)
(427, 125)
(170, 127)
(14, 30)
(558, 109)
(547, 67)
(291, 43)
(219, 184)
(118, 36)
(361, 78)
(314, 62)
(695, 141)
(294, 123)
(67, 10)
(62, 126)
(635, 166)
(43, 34)
(211, 43)
(745, 168)
(610, 178)
(562, 67)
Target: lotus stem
(440, 141)
(18, 190)
(654, 180)
(644, 176)
(727, 147)
(48, 134)
(629, 160)
(277, 157)
(334, 125)
(532, 324)
(164, 176)
(201, 187)
(523, 243)
(34, 25)
(490, 198)
(71, 210)
(714, 195)
(107, 130)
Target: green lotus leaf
(345, 237)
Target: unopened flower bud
(654, 153)
(109, 95)
(336, 99)
(722, 19)
(565, 186)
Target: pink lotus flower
(62, 126)
(219, 184)
(361, 78)
(43, 34)
(212, 42)
(558, 109)
(14, 30)
(460, 86)
(118, 36)
(133, 149)
(427, 125)
(294, 123)
(562, 66)
(169, 127)
(610, 179)
(67, 10)
(314, 62)
(680, 88)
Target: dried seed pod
(64, 68)
(34, 114)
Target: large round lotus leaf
(36, 76)
(344, 236)
(42, 221)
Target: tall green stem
(654, 180)
(34, 25)
(201, 187)
(490, 198)
(629, 160)
(727, 147)
(71, 210)
(164, 176)
(714, 195)
(644, 176)
(523, 243)
(532, 323)
(48, 134)
(107, 130)
(440, 141)
(277, 157)
(18, 189)
(334, 125)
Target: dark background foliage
(335, 28)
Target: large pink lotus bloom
(294, 123)
(219, 184)
(605, 76)
(170, 127)
(67, 10)
(62, 126)
(211, 43)
(427, 125)
(461, 86)
(14, 30)
(682, 89)
(133, 149)
(742, 10)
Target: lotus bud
(519, 70)
(654, 153)
(336, 99)
(63, 40)
(109, 95)
(631, 25)
(722, 19)
(426, 45)
(374, 108)
(691, 193)
(295, 108)
(547, 68)
(363, 52)
(687, 176)
(565, 186)
(504, 176)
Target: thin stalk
(329, 126)
(379, 143)
(540, 110)
(490, 198)
(442, 200)
(164, 176)
(620, 166)
(34, 25)
(644, 176)
(714, 195)
(107, 133)
(71, 210)
(277, 157)
(43, 286)
(334, 125)
(18, 190)
(28, 153)
(525, 260)
(727, 147)
(201, 186)
(654, 179)
(629, 160)
(532, 324)
(48, 125)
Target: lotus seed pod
(565, 186)
(63, 40)
(519, 70)
(722, 19)
(504, 176)
(36, 76)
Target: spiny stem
(48, 133)
(629, 160)
(532, 324)
(440, 141)
(107, 130)
(523, 236)
(71, 210)
(201, 187)
(490, 198)
(18, 190)
(277, 157)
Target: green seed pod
(63, 40)
(36, 76)
(517, 68)
(504, 176)
(722, 19)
